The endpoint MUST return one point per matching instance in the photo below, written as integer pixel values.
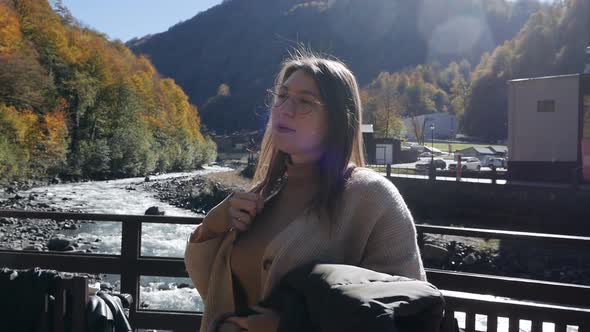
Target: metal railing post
(130, 251)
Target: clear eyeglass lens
(301, 104)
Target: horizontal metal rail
(99, 217)
(131, 265)
(575, 242)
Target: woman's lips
(284, 130)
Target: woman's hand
(243, 208)
(236, 211)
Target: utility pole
(387, 118)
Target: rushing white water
(124, 196)
(128, 196)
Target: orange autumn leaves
(10, 35)
(73, 103)
(31, 142)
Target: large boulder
(154, 211)
(60, 244)
(434, 253)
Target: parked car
(423, 164)
(494, 161)
(428, 154)
(424, 155)
(467, 163)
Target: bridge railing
(496, 297)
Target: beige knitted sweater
(372, 228)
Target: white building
(549, 128)
(445, 126)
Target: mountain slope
(551, 43)
(72, 103)
(241, 43)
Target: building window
(546, 106)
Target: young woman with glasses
(313, 200)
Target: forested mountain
(551, 43)
(240, 44)
(73, 103)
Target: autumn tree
(73, 103)
(392, 97)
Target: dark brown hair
(343, 144)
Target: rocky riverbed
(495, 257)
(507, 258)
(39, 234)
(200, 193)
(126, 196)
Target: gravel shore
(201, 193)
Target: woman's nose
(288, 107)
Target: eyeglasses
(303, 103)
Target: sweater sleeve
(198, 259)
(199, 256)
(392, 245)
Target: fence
(483, 176)
(513, 301)
(537, 301)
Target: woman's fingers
(248, 202)
(243, 203)
(240, 219)
(240, 215)
(243, 208)
(259, 203)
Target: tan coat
(373, 228)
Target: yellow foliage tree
(10, 35)
(68, 91)
(56, 133)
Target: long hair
(343, 144)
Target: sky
(125, 19)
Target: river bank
(123, 196)
(198, 194)
(39, 234)
(485, 256)
(193, 194)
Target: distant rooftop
(483, 150)
(498, 148)
(479, 150)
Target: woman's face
(299, 118)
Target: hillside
(74, 104)
(240, 43)
(551, 43)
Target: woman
(313, 201)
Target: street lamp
(432, 142)
(432, 168)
